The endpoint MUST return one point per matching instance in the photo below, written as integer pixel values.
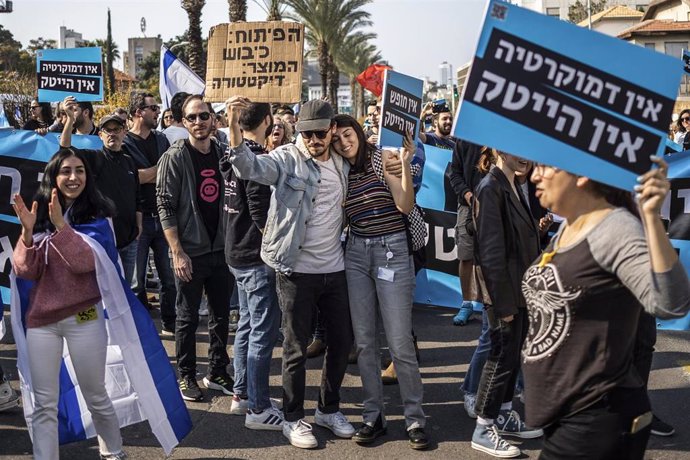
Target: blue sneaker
(509, 424)
(464, 314)
(486, 439)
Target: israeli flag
(175, 76)
(140, 380)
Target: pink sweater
(64, 269)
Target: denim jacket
(295, 177)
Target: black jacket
(464, 175)
(507, 241)
(245, 211)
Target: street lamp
(172, 48)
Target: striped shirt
(370, 207)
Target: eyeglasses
(545, 171)
(203, 116)
(684, 119)
(35, 107)
(153, 107)
(116, 130)
(319, 134)
(167, 117)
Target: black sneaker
(190, 389)
(368, 433)
(418, 439)
(661, 428)
(222, 383)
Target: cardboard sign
(401, 107)
(74, 72)
(258, 60)
(566, 96)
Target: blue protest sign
(74, 72)
(400, 108)
(566, 96)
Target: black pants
(497, 384)
(210, 273)
(645, 339)
(600, 432)
(301, 296)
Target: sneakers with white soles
(509, 423)
(486, 439)
(336, 422)
(239, 406)
(269, 419)
(299, 434)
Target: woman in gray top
(610, 259)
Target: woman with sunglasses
(41, 117)
(682, 124)
(65, 301)
(281, 134)
(610, 259)
(380, 276)
(166, 119)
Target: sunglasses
(167, 117)
(35, 107)
(319, 134)
(684, 119)
(154, 108)
(203, 116)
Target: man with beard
(189, 192)
(302, 243)
(443, 124)
(372, 131)
(83, 124)
(146, 145)
(116, 177)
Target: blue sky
(414, 35)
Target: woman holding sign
(64, 302)
(380, 276)
(610, 259)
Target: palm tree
(353, 60)
(110, 57)
(237, 10)
(338, 59)
(326, 22)
(195, 50)
(274, 9)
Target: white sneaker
(203, 307)
(470, 400)
(239, 406)
(299, 434)
(8, 397)
(335, 422)
(268, 419)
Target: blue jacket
(295, 177)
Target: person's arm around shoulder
(401, 188)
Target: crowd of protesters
(313, 226)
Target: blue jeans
(372, 297)
(474, 371)
(257, 332)
(152, 237)
(128, 255)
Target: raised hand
(653, 187)
(408, 148)
(26, 218)
(55, 211)
(234, 106)
(69, 105)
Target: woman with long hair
(281, 134)
(380, 276)
(166, 119)
(682, 125)
(41, 117)
(65, 301)
(610, 259)
(507, 241)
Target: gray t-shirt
(321, 250)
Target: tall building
(138, 49)
(446, 74)
(69, 38)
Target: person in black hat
(301, 242)
(116, 177)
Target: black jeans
(602, 431)
(300, 296)
(645, 339)
(210, 273)
(497, 384)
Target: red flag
(372, 78)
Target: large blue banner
(74, 72)
(566, 96)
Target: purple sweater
(64, 270)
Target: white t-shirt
(321, 251)
(175, 133)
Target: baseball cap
(315, 115)
(109, 118)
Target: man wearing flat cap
(116, 177)
(301, 242)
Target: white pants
(87, 344)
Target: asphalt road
(445, 352)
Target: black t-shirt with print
(207, 174)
